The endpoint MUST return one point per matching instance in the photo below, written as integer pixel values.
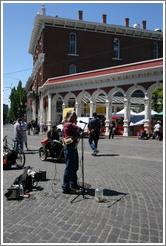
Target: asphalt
(130, 172)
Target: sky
(17, 23)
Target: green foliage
(157, 100)
(18, 99)
(4, 115)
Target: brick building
(63, 47)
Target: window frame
(72, 44)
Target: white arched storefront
(144, 76)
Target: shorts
(25, 137)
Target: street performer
(71, 135)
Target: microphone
(83, 122)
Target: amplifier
(40, 176)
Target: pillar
(126, 115)
(41, 108)
(49, 112)
(91, 108)
(147, 109)
(108, 115)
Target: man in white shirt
(24, 129)
(18, 133)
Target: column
(49, 111)
(126, 121)
(41, 108)
(77, 108)
(91, 108)
(63, 107)
(147, 109)
(108, 115)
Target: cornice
(41, 20)
(142, 75)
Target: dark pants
(70, 173)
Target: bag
(67, 140)
(40, 176)
(25, 179)
(13, 193)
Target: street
(129, 170)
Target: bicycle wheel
(42, 154)
(20, 160)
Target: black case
(40, 176)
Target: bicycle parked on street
(12, 156)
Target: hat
(19, 119)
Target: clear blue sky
(18, 24)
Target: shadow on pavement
(99, 155)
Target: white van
(82, 122)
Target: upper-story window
(116, 48)
(72, 69)
(155, 50)
(73, 44)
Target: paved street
(129, 170)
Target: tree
(4, 115)
(18, 99)
(157, 100)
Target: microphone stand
(82, 159)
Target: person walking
(72, 131)
(24, 129)
(157, 130)
(94, 132)
(18, 133)
(42, 127)
(112, 129)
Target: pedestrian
(42, 127)
(29, 127)
(112, 129)
(94, 132)
(157, 130)
(24, 129)
(18, 134)
(71, 132)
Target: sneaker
(75, 187)
(27, 149)
(68, 191)
(97, 151)
(94, 153)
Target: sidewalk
(130, 172)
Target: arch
(97, 93)
(153, 87)
(82, 94)
(57, 96)
(68, 96)
(114, 90)
(135, 88)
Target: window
(155, 50)
(72, 69)
(73, 44)
(116, 48)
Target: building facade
(85, 65)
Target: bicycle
(14, 156)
